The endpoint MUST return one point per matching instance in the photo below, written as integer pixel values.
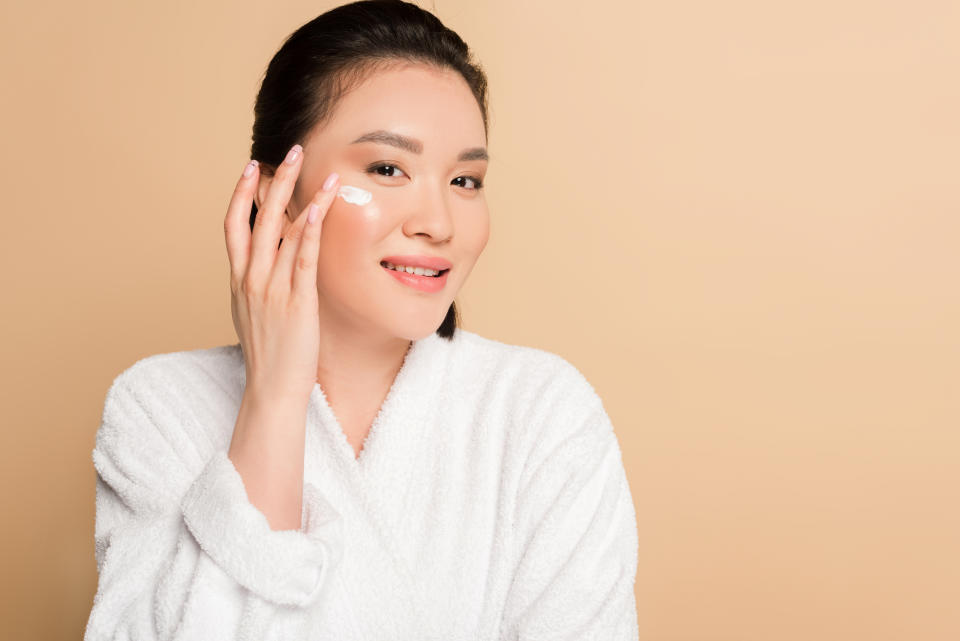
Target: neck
(357, 363)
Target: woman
(357, 466)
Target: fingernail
(292, 154)
(328, 183)
(249, 168)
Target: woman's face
(426, 201)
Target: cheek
(475, 230)
(347, 238)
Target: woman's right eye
(376, 168)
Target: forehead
(433, 105)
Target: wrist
(264, 402)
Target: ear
(262, 188)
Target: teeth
(419, 271)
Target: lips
(428, 262)
(429, 284)
(440, 273)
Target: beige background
(740, 220)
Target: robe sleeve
(182, 553)
(577, 529)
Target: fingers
(297, 259)
(236, 224)
(266, 228)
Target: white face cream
(354, 195)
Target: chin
(416, 324)
(387, 309)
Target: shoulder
(218, 362)
(541, 387)
(507, 358)
(184, 378)
(556, 422)
(170, 410)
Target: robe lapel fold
(381, 478)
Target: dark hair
(336, 51)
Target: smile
(416, 281)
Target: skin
(425, 203)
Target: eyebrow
(414, 146)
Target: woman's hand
(274, 291)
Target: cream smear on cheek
(360, 197)
(354, 195)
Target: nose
(431, 215)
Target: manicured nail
(312, 212)
(249, 168)
(292, 154)
(328, 183)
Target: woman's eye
(377, 168)
(384, 170)
(478, 184)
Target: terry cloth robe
(489, 502)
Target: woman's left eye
(476, 181)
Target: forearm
(267, 449)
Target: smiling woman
(358, 466)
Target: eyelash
(373, 168)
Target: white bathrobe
(489, 502)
